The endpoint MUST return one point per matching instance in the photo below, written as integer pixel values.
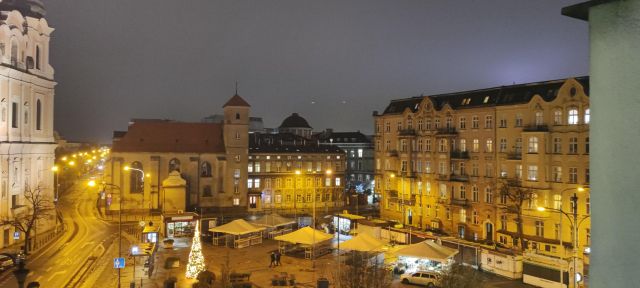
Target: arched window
(539, 118)
(38, 115)
(557, 117)
(136, 178)
(14, 51)
(573, 116)
(174, 164)
(205, 169)
(38, 57)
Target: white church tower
(26, 112)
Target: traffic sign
(16, 235)
(118, 263)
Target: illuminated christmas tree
(196, 259)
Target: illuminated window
(573, 116)
(587, 116)
(533, 173)
(533, 144)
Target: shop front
(180, 225)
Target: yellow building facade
(441, 162)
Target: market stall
(426, 255)
(346, 222)
(363, 243)
(239, 232)
(305, 240)
(274, 224)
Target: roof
(236, 101)
(30, 8)
(294, 121)
(237, 227)
(350, 216)
(272, 221)
(287, 143)
(581, 10)
(496, 96)
(428, 249)
(305, 236)
(341, 137)
(170, 136)
(364, 243)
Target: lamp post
(574, 227)
(55, 170)
(142, 175)
(92, 183)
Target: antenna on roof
(236, 87)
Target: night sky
(333, 61)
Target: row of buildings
(452, 163)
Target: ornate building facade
(442, 161)
(26, 111)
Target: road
(66, 261)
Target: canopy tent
(313, 242)
(243, 233)
(428, 249)
(363, 243)
(272, 221)
(305, 236)
(237, 227)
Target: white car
(426, 278)
(5, 262)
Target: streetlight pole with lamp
(577, 277)
(55, 171)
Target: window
(387, 127)
(488, 170)
(518, 146)
(38, 115)
(475, 217)
(174, 164)
(327, 182)
(337, 181)
(573, 145)
(403, 145)
(463, 171)
(437, 123)
(573, 175)
(409, 124)
(503, 123)
(573, 116)
(443, 168)
(256, 167)
(539, 118)
(236, 201)
(475, 122)
(533, 144)
(249, 183)
(427, 166)
(488, 195)
(256, 183)
(136, 178)
(476, 145)
(488, 122)
(557, 145)
(586, 145)
(237, 135)
(14, 115)
(587, 207)
(427, 145)
(586, 176)
(533, 173)
(449, 122)
(428, 124)
(503, 222)
(360, 152)
(399, 127)
(403, 166)
(587, 116)
(474, 193)
(556, 231)
(442, 147)
(38, 57)
(474, 169)
(236, 173)
(420, 146)
(557, 117)
(518, 120)
(420, 125)
(540, 228)
(557, 174)
(205, 169)
(463, 145)
(463, 192)
(489, 146)
(463, 123)
(518, 171)
(463, 215)
(503, 199)
(503, 145)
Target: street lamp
(142, 175)
(575, 225)
(55, 170)
(92, 183)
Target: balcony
(457, 154)
(392, 153)
(516, 155)
(443, 177)
(407, 132)
(459, 177)
(460, 202)
(447, 131)
(535, 128)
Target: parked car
(426, 278)
(5, 262)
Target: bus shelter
(238, 233)
(306, 240)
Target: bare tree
(516, 196)
(363, 270)
(37, 207)
(460, 276)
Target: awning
(272, 221)
(305, 236)
(350, 216)
(428, 249)
(237, 227)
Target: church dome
(295, 121)
(30, 8)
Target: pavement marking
(49, 269)
(56, 273)
(86, 244)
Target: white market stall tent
(363, 243)
(313, 242)
(274, 224)
(425, 255)
(240, 232)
